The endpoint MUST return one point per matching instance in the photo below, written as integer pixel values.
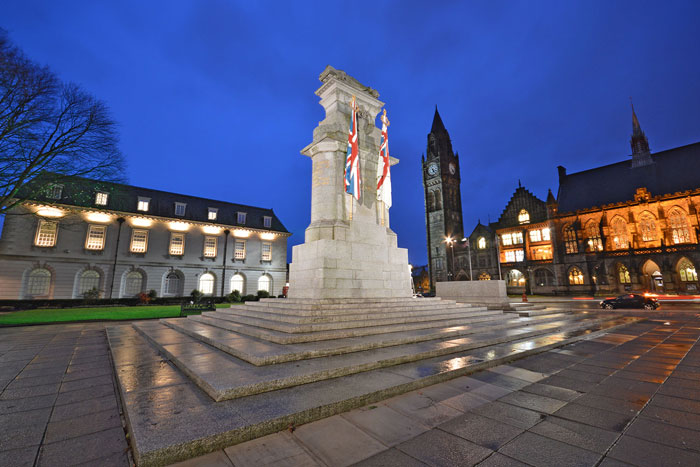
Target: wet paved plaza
(630, 397)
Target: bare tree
(49, 131)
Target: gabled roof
(481, 229)
(522, 199)
(124, 198)
(674, 170)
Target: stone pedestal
(349, 249)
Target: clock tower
(443, 201)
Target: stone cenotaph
(349, 250)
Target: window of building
(507, 239)
(239, 250)
(687, 271)
(679, 226)
(212, 213)
(523, 216)
(133, 283)
(143, 203)
(172, 284)
(623, 274)
(484, 276)
(39, 282)
(545, 234)
(101, 198)
(535, 235)
(177, 244)
(593, 233)
(515, 278)
(438, 264)
(206, 283)
(575, 276)
(180, 209)
(517, 238)
(89, 280)
(542, 253)
(209, 247)
(55, 191)
(237, 283)
(95, 239)
(570, 243)
(510, 256)
(267, 251)
(544, 277)
(619, 234)
(240, 217)
(139, 241)
(46, 233)
(481, 243)
(267, 221)
(519, 255)
(265, 283)
(647, 224)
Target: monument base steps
(194, 385)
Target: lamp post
(450, 241)
(469, 256)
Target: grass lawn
(101, 313)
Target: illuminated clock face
(452, 168)
(432, 169)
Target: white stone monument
(349, 250)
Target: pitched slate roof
(674, 170)
(124, 198)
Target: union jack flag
(352, 162)
(383, 166)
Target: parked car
(630, 300)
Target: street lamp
(469, 255)
(450, 241)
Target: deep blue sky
(216, 98)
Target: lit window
(507, 239)
(143, 203)
(139, 241)
(481, 243)
(542, 253)
(510, 256)
(89, 281)
(679, 227)
(239, 252)
(264, 283)
(177, 244)
(241, 217)
(209, 247)
(101, 199)
(172, 284)
(267, 251)
(95, 237)
(545, 234)
(484, 276)
(575, 276)
(687, 271)
(39, 282)
(517, 238)
(535, 235)
(55, 191)
(267, 221)
(519, 255)
(593, 233)
(237, 282)
(212, 214)
(46, 233)
(523, 216)
(624, 274)
(133, 283)
(180, 209)
(619, 233)
(570, 240)
(206, 283)
(647, 225)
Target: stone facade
(89, 245)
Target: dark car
(630, 300)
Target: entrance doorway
(653, 279)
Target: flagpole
(498, 258)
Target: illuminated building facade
(114, 241)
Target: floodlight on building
(241, 233)
(49, 212)
(267, 236)
(99, 217)
(179, 226)
(140, 222)
(212, 230)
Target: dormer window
(241, 217)
(481, 243)
(143, 203)
(267, 221)
(212, 214)
(101, 198)
(55, 191)
(523, 217)
(180, 209)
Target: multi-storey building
(117, 240)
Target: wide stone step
(541, 312)
(170, 419)
(311, 309)
(349, 301)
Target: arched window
(593, 233)
(206, 283)
(484, 276)
(679, 226)
(133, 283)
(265, 283)
(515, 278)
(39, 282)
(619, 234)
(89, 280)
(544, 277)
(237, 283)
(647, 224)
(523, 216)
(623, 274)
(687, 271)
(575, 276)
(570, 240)
(481, 243)
(173, 284)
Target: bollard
(524, 297)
